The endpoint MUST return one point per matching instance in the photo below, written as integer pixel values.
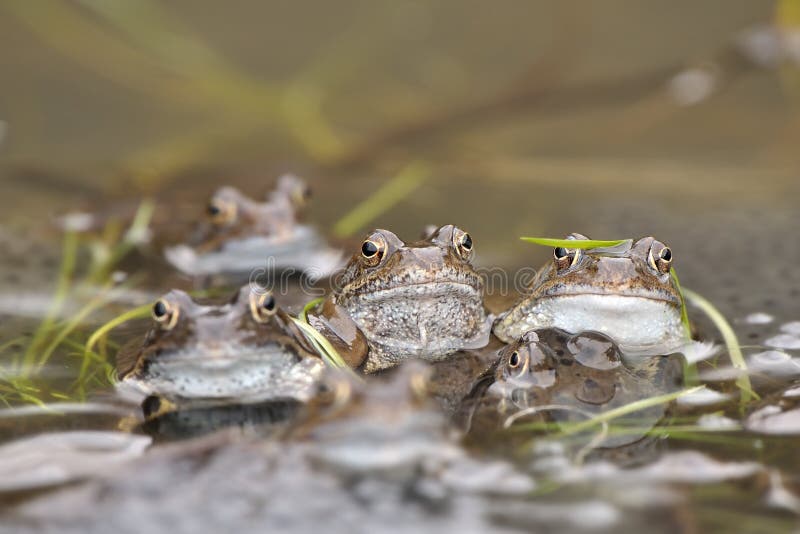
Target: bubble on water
(792, 327)
(697, 351)
(773, 420)
(784, 341)
(792, 392)
(759, 318)
(703, 397)
(715, 421)
(779, 496)
(676, 467)
(774, 362)
(57, 458)
(475, 476)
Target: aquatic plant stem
(629, 408)
(684, 313)
(68, 258)
(136, 313)
(382, 200)
(71, 325)
(731, 342)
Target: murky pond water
(536, 119)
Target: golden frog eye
(262, 306)
(660, 258)
(463, 243)
(221, 211)
(514, 360)
(165, 314)
(566, 257)
(372, 250)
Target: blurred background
(614, 119)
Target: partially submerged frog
(625, 292)
(378, 425)
(247, 350)
(401, 300)
(239, 234)
(568, 377)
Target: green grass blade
(731, 343)
(573, 243)
(382, 200)
(68, 259)
(629, 408)
(304, 313)
(136, 313)
(687, 328)
(70, 326)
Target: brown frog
(239, 234)
(247, 350)
(398, 300)
(625, 292)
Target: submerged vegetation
(23, 375)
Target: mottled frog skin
(246, 350)
(400, 300)
(625, 292)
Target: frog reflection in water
(247, 350)
(238, 234)
(625, 292)
(566, 374)
(406, 300)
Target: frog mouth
(434, 289)
(659, 296)
(222, 355)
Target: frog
(396, 300)
(380, 424)
(560, 376)
(626, 292)
(365, 454)
(243, 351)
(238, 234)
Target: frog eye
(566, 257)
(660, 258)
(463, 243)
(165, 314)
(221, 211)
(372, 250)
(262, 306)
(514, 360)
